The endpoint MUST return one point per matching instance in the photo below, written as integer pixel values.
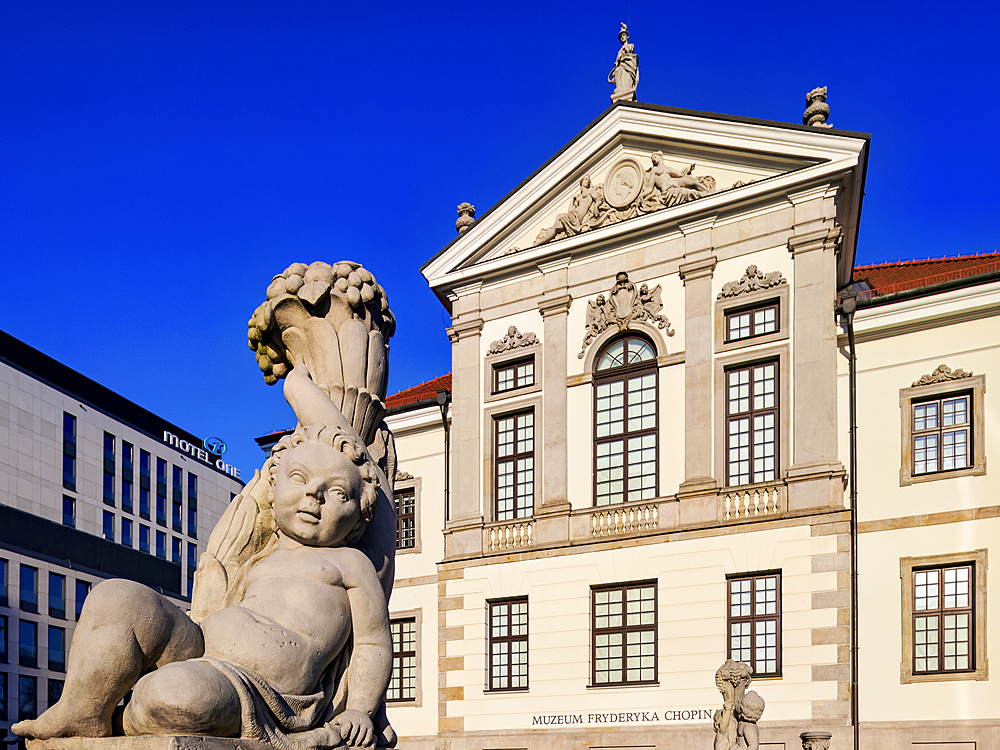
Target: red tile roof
(418, 393)
(888, 278)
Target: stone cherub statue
(625, 74)
(288, 639)
(736, 722)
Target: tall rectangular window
(175, 550)
(28, 644)
(57, 596)
(29, 589)
(127, 453)
(144, 486)
(943, 617)
(752, 322)
(3, 647)
(27, 697)
(161, 544)
(161, 492)
(3, 696)
(624, 631)
(192, 506)
(192, 566)
(752, 424)
(942, 434)
(515, 465)
(3, 582)
(513, 375)
(625, 423)
(57, 649)
(143, 538)
(403, 684)
(508, 644)
(754, 622)
(69, 511)
(127, 532)
(82, 590)
(178, 498)
(406, 518)
(109, 469)
(69, 451)
(109, 525)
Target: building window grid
(513, 375)
(755, 622)
(109, 525)
(752, 423)
(69, 451)
(508, 643)
(27, 646)
(144, 484)
(192, 519)
(406, 518)
(57, 596)
(127, 532)
(143, 538)
(28, 589)
(109, 469)
(626, 424)
(624, 628)
(942, 431)
(751, 322)
(403, 683)
(515, 465)
(127, 457)
(82, 591)
(943, 621)
(161, 492)
(57, 649)
(178, 499)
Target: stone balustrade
(508, 535)
(751, 502)
(624, 520)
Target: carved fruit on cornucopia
(337, 319)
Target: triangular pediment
(638, 159)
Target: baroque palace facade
(649, 426)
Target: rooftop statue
(288, 640)
(625, 74)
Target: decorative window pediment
(751, 281)
(622, 305)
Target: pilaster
(697, 492)
(815, 477)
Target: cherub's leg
(190, 697)
(125, 629)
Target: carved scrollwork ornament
(513, 339)
(751, 281)
(403, 476)
(942, 374)
(622, 305)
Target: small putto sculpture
(817, 110)
(466, 217)
(736, 722)
(623, 304)
(625, 74)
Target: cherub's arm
(310, 404)
(371, 658)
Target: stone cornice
(555, 305)
(821, 239)
(696, 269)
(463, 328)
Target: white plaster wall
(420, 717)
(882, 696)
(691, 589)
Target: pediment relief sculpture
(942, 374)
(622, 305)
(751, 281)
(628, 191)
(514, 339)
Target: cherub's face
(317, 494)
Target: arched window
(625, 422)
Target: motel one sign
(195, 451)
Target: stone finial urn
(815, 740)
(817, 110)
(466, 217)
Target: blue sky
(161, 161)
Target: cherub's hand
(356, 728)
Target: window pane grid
(624, 649)
(515, 466)
(508, 645)
(752, 424)
(942, 620)
(941, 434)
(403, 683)
(755, 622)
(508, 377)
(746, 324)
(625, 427)
(406, 519)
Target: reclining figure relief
(288, 640)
